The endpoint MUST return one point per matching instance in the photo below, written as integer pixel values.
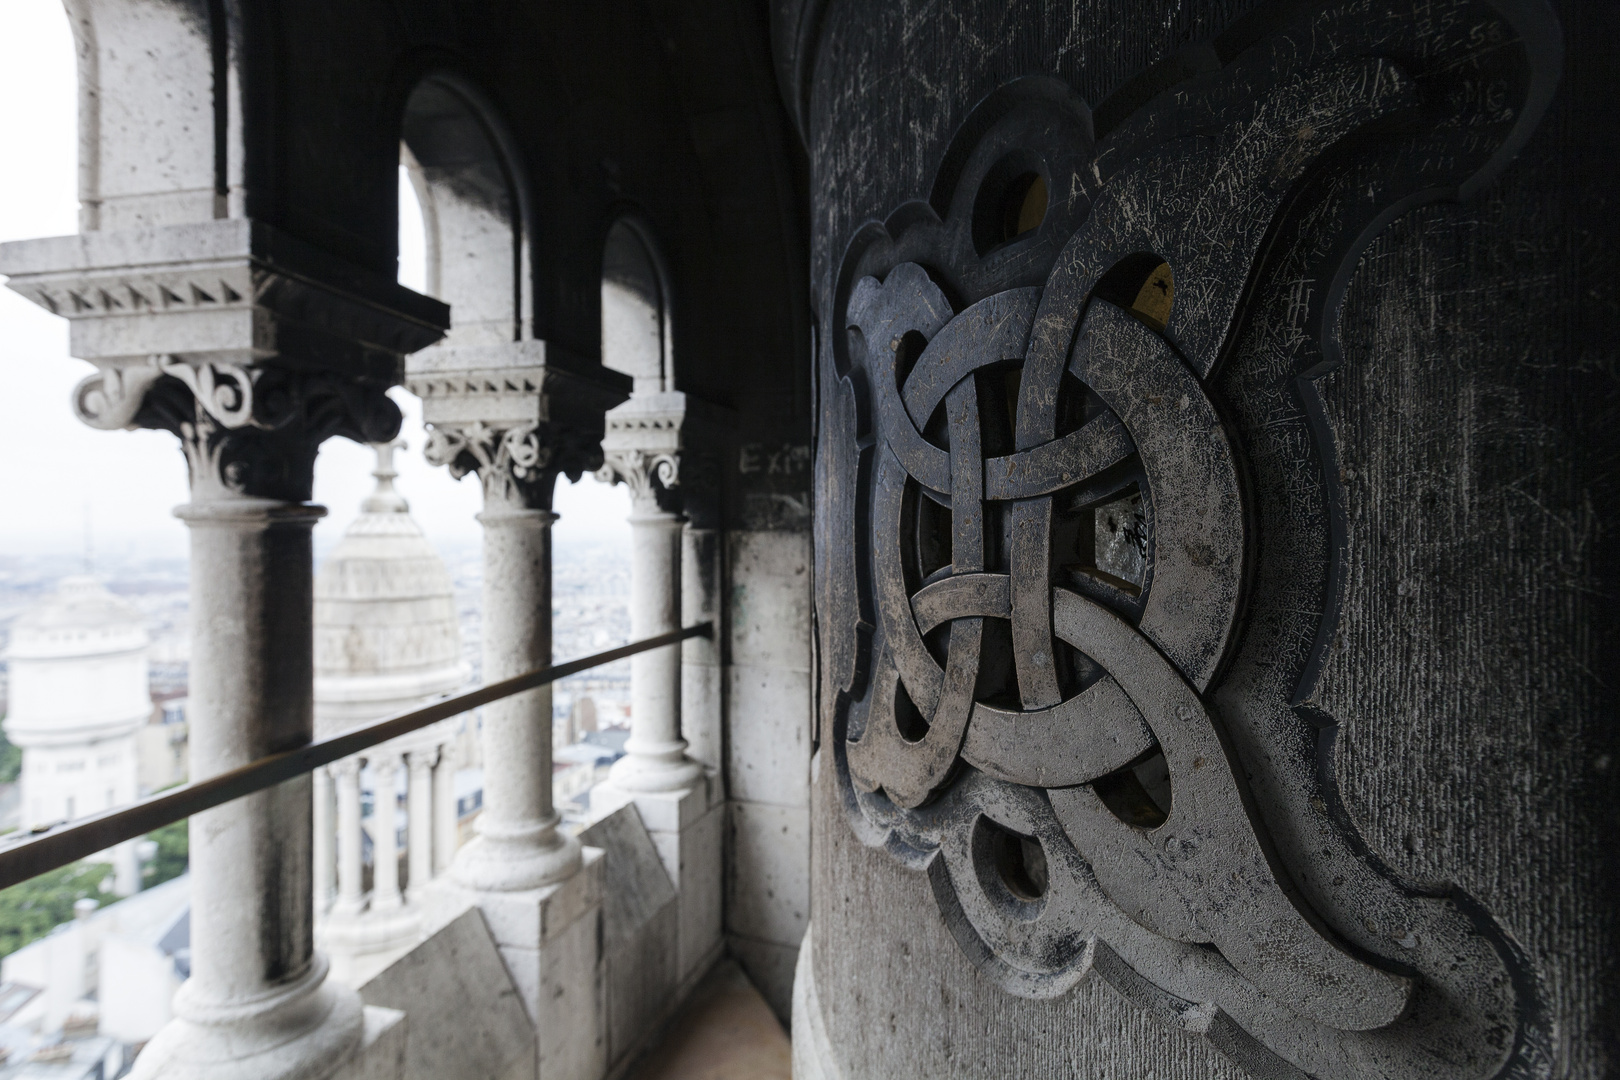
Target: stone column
(540, 894)
(385, 894)
(255, 977)
(324, 826)
(253, 348)
(351, 896)
(655, 755)
(672, 793)
(419, 817)
(446, 823)
(518, 845)
(642, 450)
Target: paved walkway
(725, 1032)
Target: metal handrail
(55, 846)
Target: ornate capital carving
(641, 446)
(646, 475)
(511, 462)
(247, 430)
(503, 412)
(248, 344)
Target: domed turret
(386, 635)
(78, 694)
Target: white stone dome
(78, 667)
(386, 634)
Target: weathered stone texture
(1442, 513)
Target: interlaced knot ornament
(1020, 388)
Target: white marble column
(258, 1003)
(385, 893)
(655, 755)
(446, 821)
(518, 846)
(351, 896)
(201, 344)
(419, 818)
(540, 894)
(325, 835)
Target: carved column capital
(508, 414)
(646, 475)
(511, 462)
(641, 448)
(249, 345)
(247, 430)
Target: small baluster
(385, 894)
(324, 837)
(419, 821)
(351, 898)
(445, 818)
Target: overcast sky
(57, 473)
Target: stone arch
(637, 321)
(468, 177)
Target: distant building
(79, 1001)
(161, 747)
(79, 695)
(386, 639)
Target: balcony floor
(725, 1032)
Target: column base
(360, 944)
(504, 859)
(659, 767)
(312, 1030)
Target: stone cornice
(232, 290)
(248, 344)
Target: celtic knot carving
(1037, 546)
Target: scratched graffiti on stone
(1044, 554)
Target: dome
(81, 619)
(78, 668)
(386, 633)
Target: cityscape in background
(590, 613)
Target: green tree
(173, 854)
(33, 908)
(10, 760)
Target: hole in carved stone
(908, 718)
(1011, 202)
(1110, 542)
(906, 351)
(1075, 670)
(933, 536)
(1010, 864)
(997, 683)
(1143, 285)
(1138, 794)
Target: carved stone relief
(1040, 542)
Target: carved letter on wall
(1037, 545)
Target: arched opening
(470, 191)
(636, 325)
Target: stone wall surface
(1427, 544)
(767, 896)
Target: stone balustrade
(412, 786)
